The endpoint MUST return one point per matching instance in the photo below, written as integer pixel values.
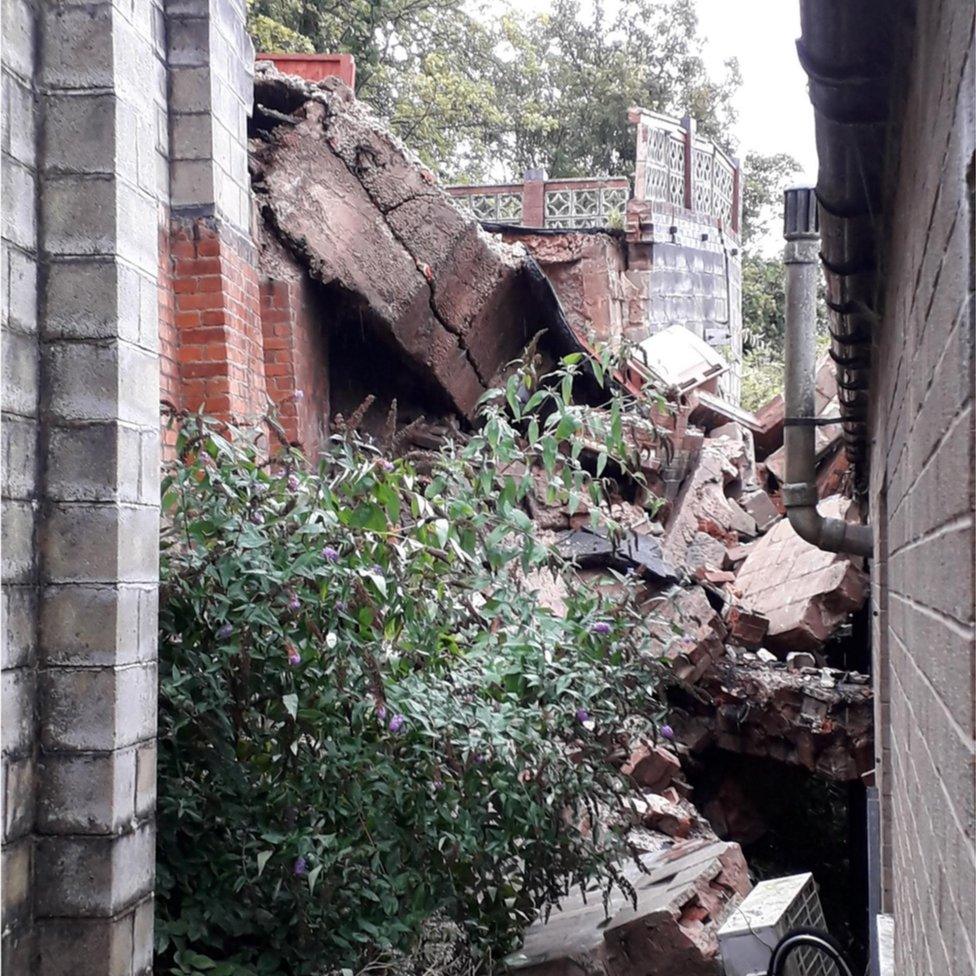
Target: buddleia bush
(366, 716)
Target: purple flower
(293, 482)
(381, 713)
(256, 518)
(293, 602)
(329, 554)
(397, 723)
(385, 465)
(225, 632)
(294, 658)
(600, 627)
(377, 569)
(667, 732)
(582, 715)
(478, 758)
(301, 867)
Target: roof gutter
(799, 493)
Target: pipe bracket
(800, 495)
(812, 421)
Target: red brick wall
(217, 321)
(296, 361)
(236, 347)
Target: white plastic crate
(771, 909)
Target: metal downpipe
(801, 230)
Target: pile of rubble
(743, 609)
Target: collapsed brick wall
(922, 498)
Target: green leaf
(263, 860)
(290, 702)
(313, 876)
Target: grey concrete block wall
(112, 114)
(211, 67)
(20, 491)
(84, 193)
(695, 280)
(923, 488)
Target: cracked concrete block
(98, 709)
(99, 876)
(145, 792)
(92, 793)
(142, 959)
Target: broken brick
(758, 504)
(652, 767)
(805, 592)
(745, 626)
(689, 630)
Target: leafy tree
(366, 716)
(573, 71)
(767, 176)
(478, 93)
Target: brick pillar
(217, 317)
(534, 198)
(101, 80)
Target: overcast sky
(774, 110)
